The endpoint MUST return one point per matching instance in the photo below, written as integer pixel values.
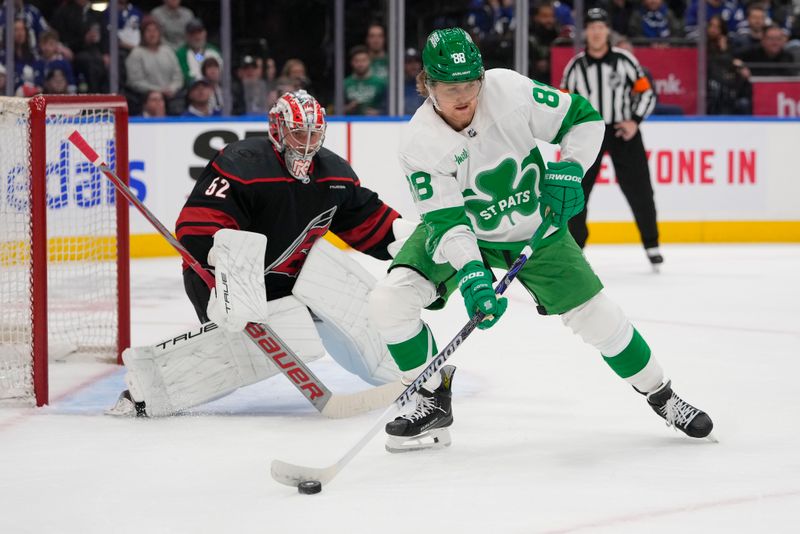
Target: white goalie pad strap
(336, 288)
(209, 362)
(240, 296)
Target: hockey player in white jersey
(482, 189)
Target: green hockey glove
(475, 283)
(562, 192)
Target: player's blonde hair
(422, 87)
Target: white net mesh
(81, 241)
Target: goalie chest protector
(247, 187)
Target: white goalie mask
(297, 130)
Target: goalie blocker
(211, 360)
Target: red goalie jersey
(248, 187)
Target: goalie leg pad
(209, 362)
(336, 288)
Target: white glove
(240, 296)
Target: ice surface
(546, 438)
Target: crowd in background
(168, 66)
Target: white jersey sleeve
(435, 188)
(568, 120)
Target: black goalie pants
(633, 175)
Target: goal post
(64, 243)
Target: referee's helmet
(450, 56)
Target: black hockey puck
(309, 487)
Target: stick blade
(348, 405)
(292, 474)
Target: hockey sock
(636, 365)
(414, 352)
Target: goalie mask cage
(64, 281)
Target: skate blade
(712, 438)
(656, 268)
(433, 439)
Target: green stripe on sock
(632, 359)
(413, 352)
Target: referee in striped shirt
(614, 82)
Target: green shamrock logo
(506, 198)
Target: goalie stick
(279, 353)
(293, 474)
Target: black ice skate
(680, 414)
(127, 407)
(426, 426)
(655, 257)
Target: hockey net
(63, 239)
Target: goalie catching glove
(475, 283)
(561, 192)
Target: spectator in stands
(619, 12)
(654, 20)
(25, 62)
(376, 46)
(153, 66)
(544, 30)
(55, 83)
(364, 94)
(295, 70)
(489, 24)
(28, 85)
(129, 26)
(52, 58)
(154, 105)
(83, 30)
(730, 11)
(213, 75)
(779, 12)
(411, 68)
(198, 100)
(770, 59)
(281, 85)
(196, 49)
(728, 89)
(249, 88)
(565, 18)
(34, 22)
(172, 18)
(751, 31)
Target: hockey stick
(278, 352)
(292, 474)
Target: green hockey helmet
(450, 56)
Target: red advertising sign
(674, 72)
(776, 97)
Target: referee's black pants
(633, 175)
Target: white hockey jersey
(486, 176)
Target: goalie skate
(426, 426)
(127, 407)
